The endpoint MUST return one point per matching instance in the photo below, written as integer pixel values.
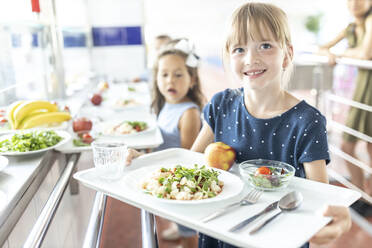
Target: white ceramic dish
(233, 185)
(3, 162)
(101, 129)
(300, 224)
(147, 140)
(65, 135)
(133, 106)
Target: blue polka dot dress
(296, 136)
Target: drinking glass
(109, 159)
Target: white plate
(138, 104)
(300, 224)
(102, 127)
(3, 162)
(148, 140)
(233, 185)
(65, 135)
(61, 126)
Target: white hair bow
(188, 48)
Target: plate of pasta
(184, 184)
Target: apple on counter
(220, 156)
(96, 99)
(82, 124)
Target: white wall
(205, 21)
(119, 62)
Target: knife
(242, 224)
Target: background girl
(177, 100)
(359, 37)
(262, 120)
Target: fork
(251, 198)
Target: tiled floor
(122, 227)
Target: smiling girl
(263, 120)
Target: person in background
(359, 37)
(177, 101)
(261, 119)
(159, 42)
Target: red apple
(96, 99)
(219, 155)
(82, 125)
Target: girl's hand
(340, 224)
(331, 56)
(331, 59)
(132, 154)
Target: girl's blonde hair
(251, 20)
(194, 92)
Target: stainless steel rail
(349, 130)
(38, 232)
(94, 230)
(149, 239)
(365, 64)
(313, 58)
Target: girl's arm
(325, 48)
(189, 126)
(204, 138)
(364, 51)
(316, 170)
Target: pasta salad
(182, 183)
(127, 127)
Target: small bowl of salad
(267, 175)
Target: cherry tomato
(138, 128)
(87, 138)
(263, 171)
(3, 120)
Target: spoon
(288, 202)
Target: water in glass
(109, 159)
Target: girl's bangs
(249, 25)
(244, 31)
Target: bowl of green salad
(268, 175)
(33, 141)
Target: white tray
(291, 229)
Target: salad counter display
(40, 146)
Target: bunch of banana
(29, 114)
